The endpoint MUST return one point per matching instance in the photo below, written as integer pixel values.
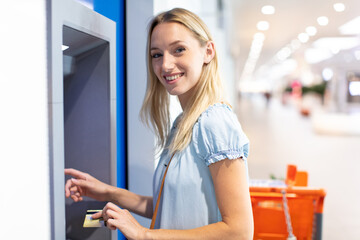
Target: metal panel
(81, 137)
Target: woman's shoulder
(218, 134)
(217, 121)
(217, 114)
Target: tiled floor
(279, 136)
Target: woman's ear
(209, 52)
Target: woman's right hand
(83, 184)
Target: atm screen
(87, 122)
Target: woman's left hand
(117, 218)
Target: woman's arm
(232, 194)
(83, 184)
(141, 205)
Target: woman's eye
(156, 55)
(179, 50)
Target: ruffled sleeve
(219, 135)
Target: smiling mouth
(173, 77)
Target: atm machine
(82, 93)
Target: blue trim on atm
(115, 10)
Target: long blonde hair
(208, 90)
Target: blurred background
(292, 72)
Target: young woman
(205, 194)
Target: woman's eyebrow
(171, 44)
(176, 42)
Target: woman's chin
(174, 92)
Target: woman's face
(177, 59)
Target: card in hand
(92, 223)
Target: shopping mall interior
(291, 72)
(296, 91)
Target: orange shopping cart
(285, 210)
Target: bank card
(92, 223)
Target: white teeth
(170, 78)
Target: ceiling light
(303, 37)
(262, 25)
(351, 27)
(295, 44)
(322, 21)
(283, 54)
(311, 30)
(63, 47)
(256, 46)
(259, 36)
(254, 55)
(337, 43)
(315, 55)
(268, 10)
(339, 7)
(327, 74)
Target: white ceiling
(291, 18)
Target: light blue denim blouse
(188, 198)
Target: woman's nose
(168, 62)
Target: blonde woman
(204, 193)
